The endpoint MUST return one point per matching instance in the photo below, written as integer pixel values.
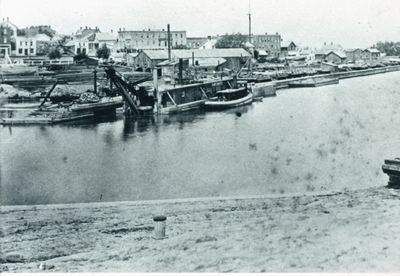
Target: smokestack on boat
(169, 41)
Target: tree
(232, 41)
(54, 53)
(80, 57)
(390, 48)
(103, 52)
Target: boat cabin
(232, 94)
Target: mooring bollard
(159, 227)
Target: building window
(4, 31)
(31, 43)
(20, 43)
(4, 40)
(19, 51)
(26, 43)
(31, 50)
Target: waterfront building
(268, 42)
(195, 42)
(234, 58)
(353, 55)
(150, 39)
(8, 34)
(202, 42)
(289, 48)
(371, 54)
(88, 40)
(335, 57)
(25, 46)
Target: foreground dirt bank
(353, 231)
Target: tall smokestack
(169, 41)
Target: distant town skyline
(357, 23)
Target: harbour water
(305, 140)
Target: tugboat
(392, 169)
(230, 98)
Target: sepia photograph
(199, 136)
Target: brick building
(268, 42)
(150, 39)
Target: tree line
(390, 48)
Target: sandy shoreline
(351, 231)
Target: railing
(47, 62)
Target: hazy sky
(352, 23)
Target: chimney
(331, 43)
(209, 37)
(119, 29)
(111, 30)
(324, 43)
(81, 27)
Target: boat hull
(218, 105)
(183, 107)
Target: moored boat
(230, 98)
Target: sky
(351, 23)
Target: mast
(249, 22)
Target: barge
(64, 113)
(313, 82)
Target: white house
(89, 43)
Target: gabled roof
(210, 62)
(212, 53)
(286, 44)
(156, 54)
(70, 43)
(262, 53)
(372, 50)
(321, 52)
(337, 53)
(352, 50)
(198, 53)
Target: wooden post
(95, 81)
(156, 91)
(180, 71)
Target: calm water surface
(303, 140)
